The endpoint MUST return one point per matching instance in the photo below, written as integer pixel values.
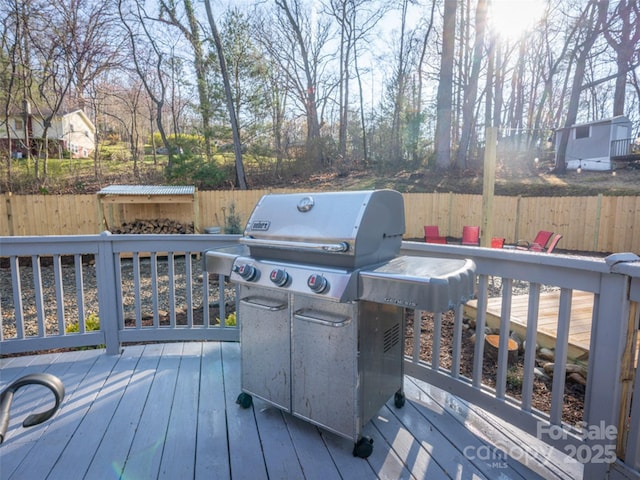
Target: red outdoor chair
(550, 248)
(432, 235)
(471, 236)
(497, 242)
(539, 243)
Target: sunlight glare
(511, 19)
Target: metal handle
(45, 379)
(263, 306)
(300, 315)
(325, 247)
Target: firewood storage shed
(127, 203)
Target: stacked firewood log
(154, 226)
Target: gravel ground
(70, 297)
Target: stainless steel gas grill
(322, 298)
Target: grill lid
(346, 229)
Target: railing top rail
(87, 244)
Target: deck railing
(111, 289)
(625, 147)
(152, 288)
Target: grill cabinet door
(265, 345)
(324, 365)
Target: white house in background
(597, 145)
(72, 131)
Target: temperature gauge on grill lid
(279, 277)
(317, 283)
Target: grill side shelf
(422, 283)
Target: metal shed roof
(148, 190)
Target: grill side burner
(322, 295)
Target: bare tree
(148, 65)
(10, 47)
(471, 88)
(445, 87)
(191, 32)
(622, 32)
(415, 124)
(241, 180)
(592, 20)
(90, 44)
(356, 19)
(301, 62)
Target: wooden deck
(168, 411)
(579, 326)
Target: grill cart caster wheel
(244, 400)
(363, 448)
(399, 399)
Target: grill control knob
(247, 272)
(317, 283)
(279, 277)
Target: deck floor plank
(244, 439)
(169, 411)
(145, 455)
(533, 458)
(31, 399)
(100, 416)
(279, 452)
(315, 460)
(117, 440)
(412, 447)
(57, 434)
(183, 420)
(212, 451)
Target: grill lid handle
(325, 247)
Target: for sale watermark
(599, 446)
(600, 441)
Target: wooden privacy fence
(597, 224)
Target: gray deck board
(168, 411)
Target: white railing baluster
(18, 310)
(38, 296)
(171, 285)
(79, 278)
(154, 288)
(206, 321)
(417, 329)
(503, 344)
(559, 369)
(221, 302)
(188, 281)
(436, 340)
(530, 346)
(59, 291)
(136, 289)
(117, 262)
(457, 342)
(481, 322)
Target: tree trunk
(625, 46)
(192, 34)
(594, 21)
(471, 90)
(241, 180)
(315, 149)
(444, 100)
